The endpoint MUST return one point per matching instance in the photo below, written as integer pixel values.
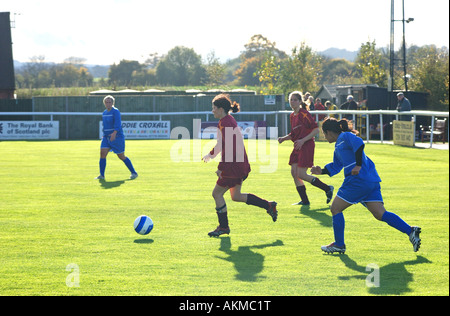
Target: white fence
(358, 114)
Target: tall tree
(253, 57)
(215, 71)
(429, 67)
(121, 74)
(181, 66)
(369, 61)
(268, 74)
(302, 70)
(339, 71)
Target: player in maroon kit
(234, 167)
(303, 130)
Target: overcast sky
(107, 31)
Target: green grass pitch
(64, 233)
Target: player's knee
(378, 216)
(237, 197)
(216, 195)
(334, 210)
(294, 174)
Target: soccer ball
(143, 225)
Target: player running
(361, 184)
(234, 167)
(303, 130)
(113, 138)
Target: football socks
(339, 227)
(256, 201)
(129, 165)
(301, 189)
(319, 184)
(102, 166)
(395, 221)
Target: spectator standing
(306, 97)
(403, 105)
(349, 105)
(318, 106)
(331, 107)
(310, 103)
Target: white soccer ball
(143, 225)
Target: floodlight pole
(405, 78)
(391, 83)
(391, 57)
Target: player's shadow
(111, 184)
(394, 278)
(324, 218)
(248, 264)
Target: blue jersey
(112, 122)
(344, 158)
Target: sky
(106, 31)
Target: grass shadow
(394, 278)
(324, 219)
(248, 264)
(112, 184)
(143, 241)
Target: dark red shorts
(230, 182)
(304, 158)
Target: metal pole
(405, 79)
(391, 59)
(432, 129)
(381, 128)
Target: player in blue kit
(113, 138)
(361, 184)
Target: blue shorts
(117, 146)
(355, 190)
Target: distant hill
(339, 53)
(101, 71)
(97, 71)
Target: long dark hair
(332, 124)
(224, 101)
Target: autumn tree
(253, 57)
(429, 68)
(369, 63)
(268, 74)
(215, 71)
(301, 70)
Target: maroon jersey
(302, 124)
(234, 163)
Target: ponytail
(335, 126)
(224, 101)
(235, 107)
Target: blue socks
(391, 219)
(102, 166)
(338, 227)
(129, 165)
(395, 221)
